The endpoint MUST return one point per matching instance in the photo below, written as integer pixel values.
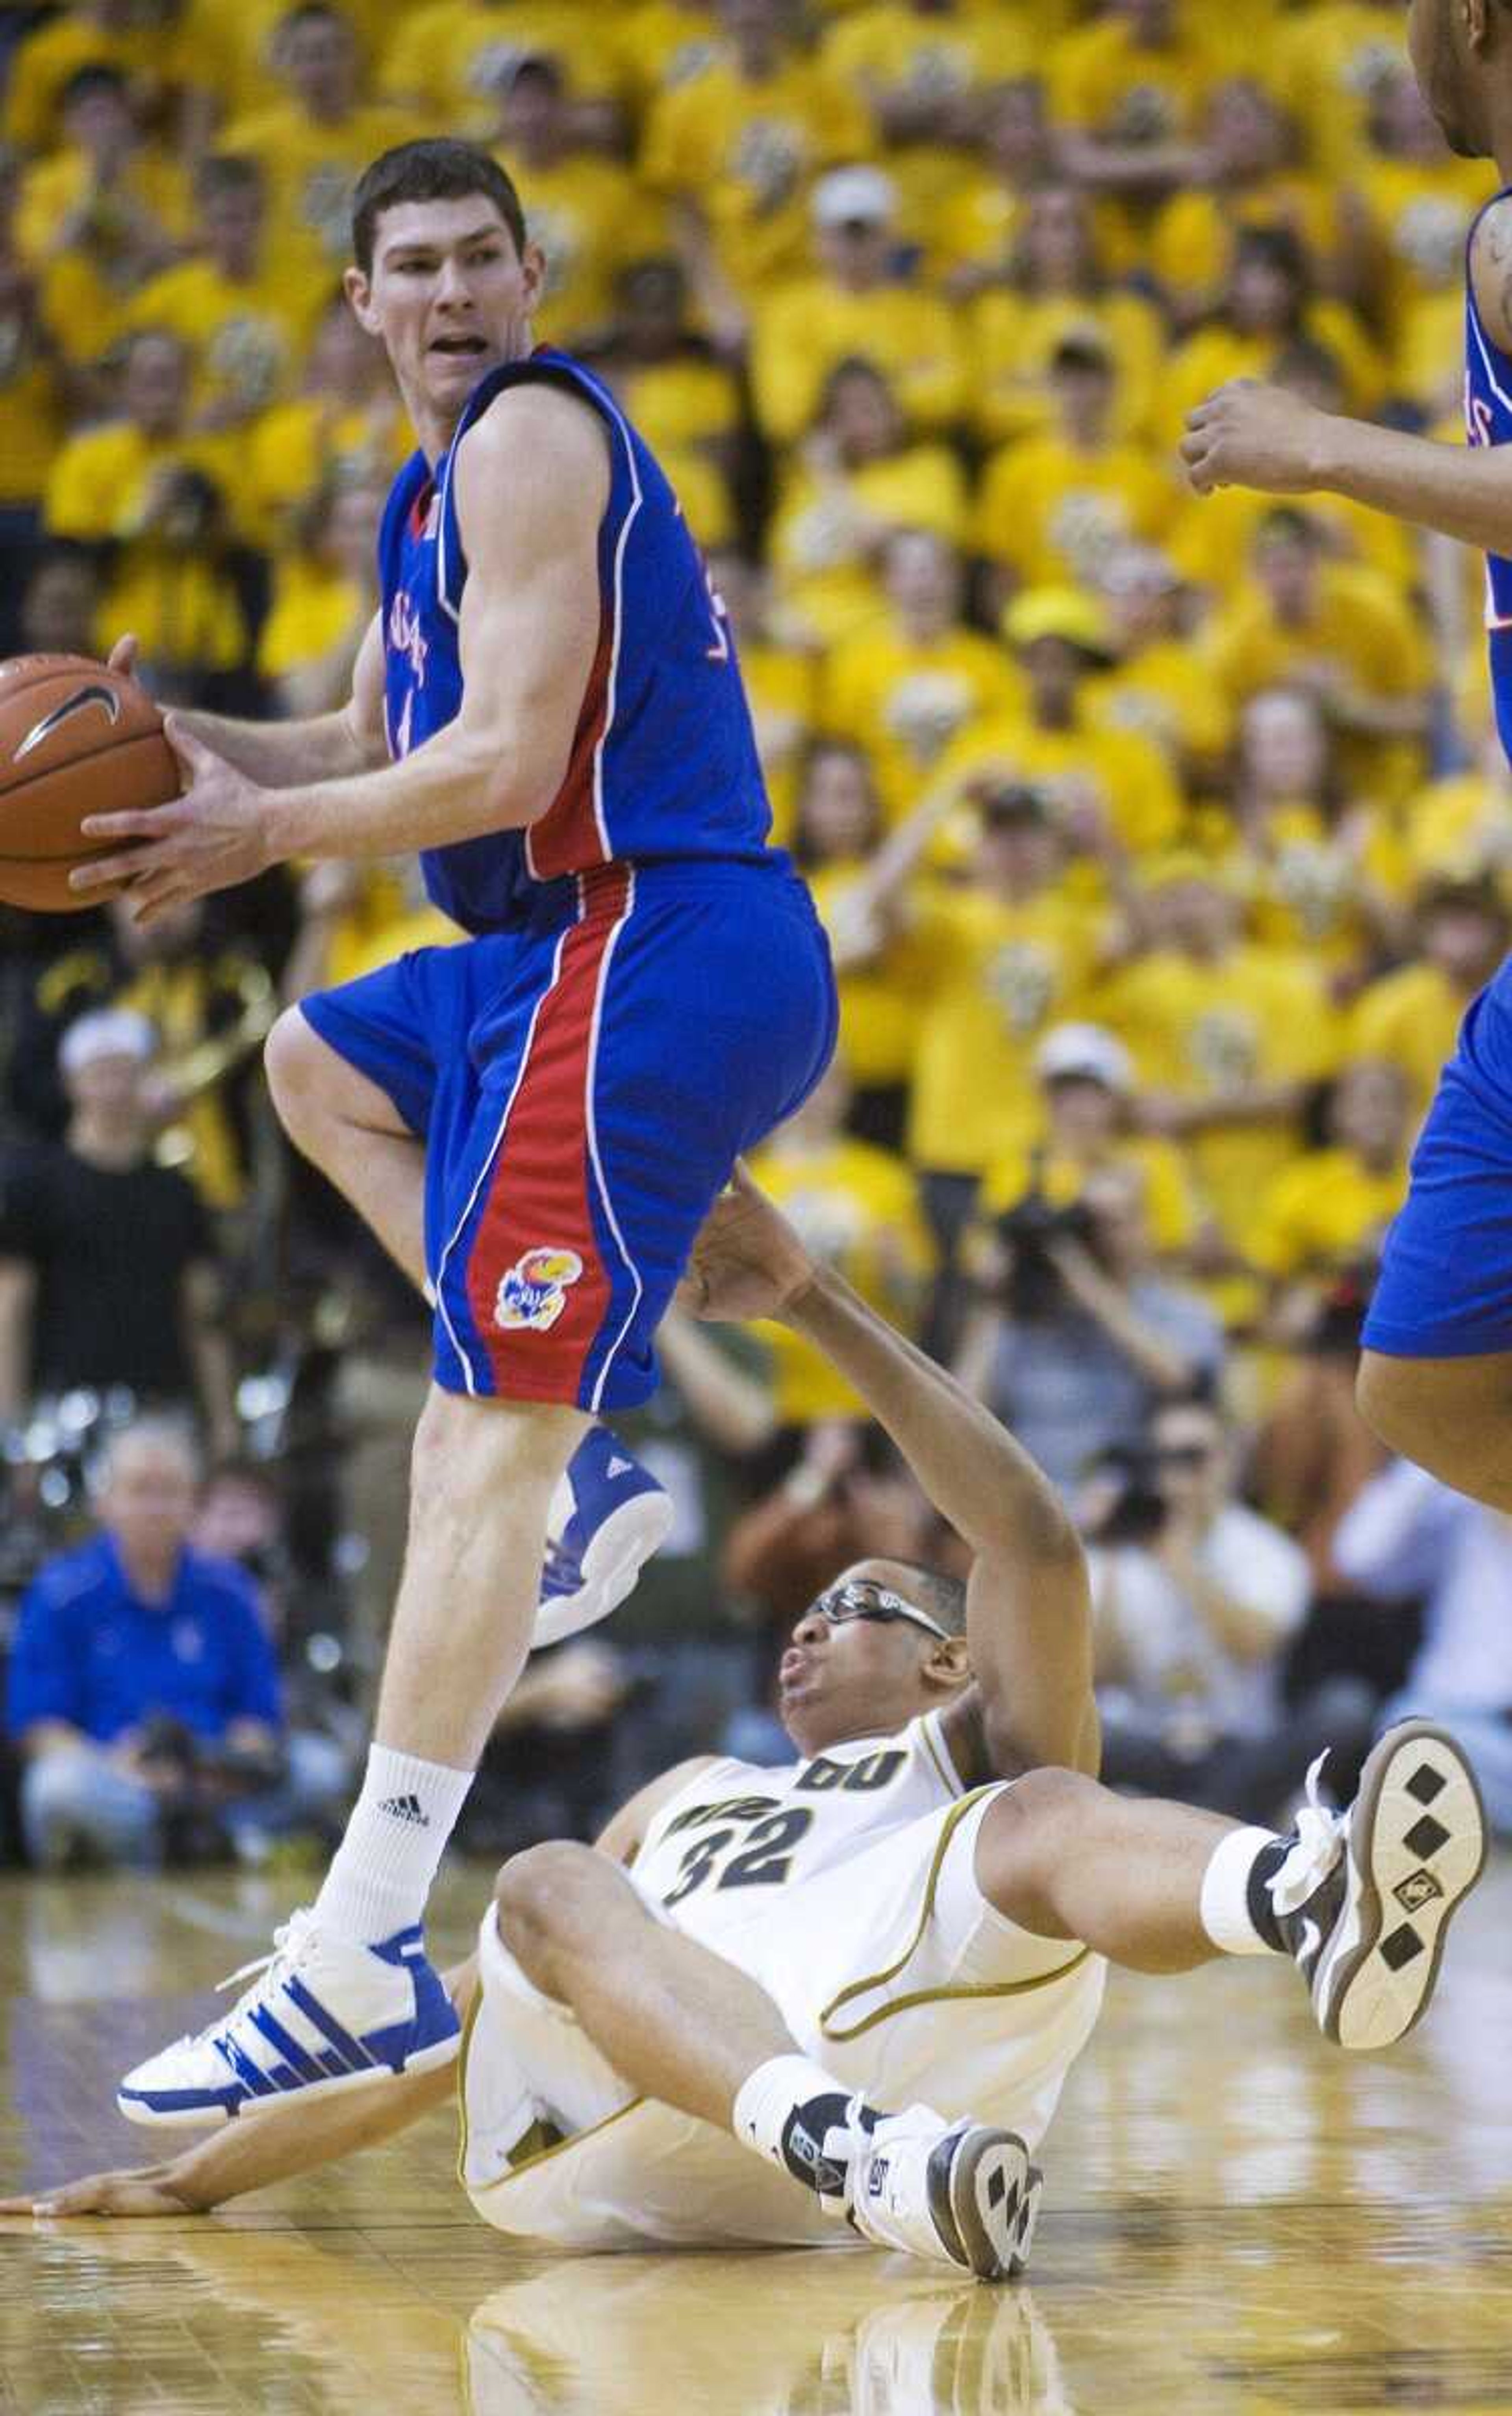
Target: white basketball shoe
(961, 2193)
(1364, 1898)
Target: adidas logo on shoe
(619, 1467)
(406, 1808)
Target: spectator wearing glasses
(1196, 1597)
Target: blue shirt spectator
(135, 1658)
(92, 1651)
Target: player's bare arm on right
(1028, 1602)
(1248, 435)
(530, 483)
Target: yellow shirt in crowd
(858, 1209)
(1004, 973)
(1410, 1019)
(248, 340)
(1323, 1212)
(1054, 513)
(1196, 1031)
(806, 328)
(1012, 338)
(1124, 777)
(904, 702)
(745, 153)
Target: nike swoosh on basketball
(80, 702)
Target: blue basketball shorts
(1445, 1285)
(583, 1085)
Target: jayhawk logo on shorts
(533, 1295)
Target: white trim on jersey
(493, 1152)
(636, 499)
(591, 1126)
(1500, 391)
(441, 499)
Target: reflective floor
(1236, 2219)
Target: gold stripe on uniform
(933, 1996)
(536, 2145)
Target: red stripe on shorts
(567, 838)
(539, 1189)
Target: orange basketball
(75, 739)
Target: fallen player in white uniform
(702, 2029)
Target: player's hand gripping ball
(76, 738)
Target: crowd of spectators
(1158, 838)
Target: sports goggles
(863, 1598)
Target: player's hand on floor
(1247, 434)
(137, 2189)
(213, 836)
(747, 1260)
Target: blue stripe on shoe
(166, 2101)
(303, 2065)
(358, 2059)
(256, 2084)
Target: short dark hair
(435, 169)
(943, 1597)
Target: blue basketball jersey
(1489, 421)
(663, 760)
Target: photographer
(1196, 1599)
(144, 1694)
(1074, 1343)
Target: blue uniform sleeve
(252, 1688)
(43, 1682)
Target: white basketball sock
(387, 1862)
(1227, 1908)
(785, 2112)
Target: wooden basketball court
(1236, 2219)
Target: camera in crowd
(1028, 1232)
(1136, 1509)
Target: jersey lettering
(856, 1777)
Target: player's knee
(1024, 1834)
(540, 1895)
(471, 1454)
(295, 1059)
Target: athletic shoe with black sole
(962, 2194)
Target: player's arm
(531, 484)
(282, 2141)
(1028, 1625)
(285, 754)
(1253, 435)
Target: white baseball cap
(847, 194)
(113, 1031)
(1084, 1052)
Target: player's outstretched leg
(608, 1514)
(348, 1994)
(681, 2024)
(1360, 1899)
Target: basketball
(76, 739)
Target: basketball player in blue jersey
(1436, 1376)
(535, 1122)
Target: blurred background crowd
(1159, 841)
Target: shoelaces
(1320, 1841)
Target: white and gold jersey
(737, 1830)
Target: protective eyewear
(863, 1598)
